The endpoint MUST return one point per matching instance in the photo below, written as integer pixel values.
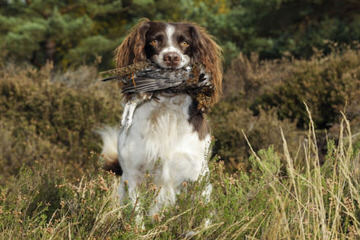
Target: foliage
(275, 28)
(37, 31)
(71, 33)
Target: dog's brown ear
(207, 52)
(132, 50)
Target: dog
(169, 136)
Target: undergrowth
(273, 201)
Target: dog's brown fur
(205, 51)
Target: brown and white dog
(168, 137)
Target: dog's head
(172, 45)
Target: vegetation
(71, 33)
(41, 120)
(272, 178)
(274, 201)
(286, 149)
(261, 96)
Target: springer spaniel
(168, 136)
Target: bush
(327, 85)
(44, 120)
(261, 96)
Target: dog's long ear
(208, 53)
(132, 50)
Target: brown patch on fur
(154, 116)
(197, 119)
(114, 167)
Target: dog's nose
(172, 59)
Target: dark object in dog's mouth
(146, 76)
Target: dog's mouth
(169, 66)
(173, 67)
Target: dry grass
(307, 201)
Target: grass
(299, 199)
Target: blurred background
(278, 55)
(72, 33)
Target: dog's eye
(154, 43)
(184, 44)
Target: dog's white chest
(161, 139)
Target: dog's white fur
(162, 142)
(159, 59)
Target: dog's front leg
(128, 188)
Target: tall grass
(295, 199)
